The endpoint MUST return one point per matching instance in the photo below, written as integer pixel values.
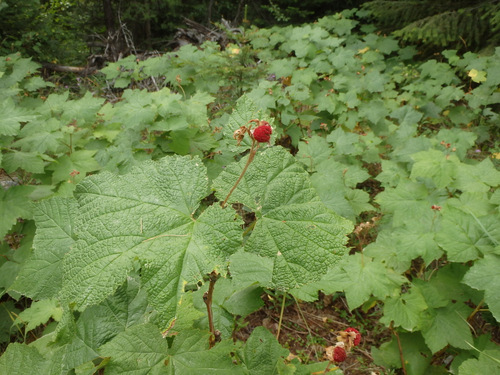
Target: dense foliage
(68, 31)
(127, 240)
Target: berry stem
(253, 151)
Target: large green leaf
(487, 363)
(28, 161)
(22, 359)
(293, 228)
(14, 204)
(408, 202)
(39, 313)
(41, 276)
(262, 352)
(448, 326)
(189, 354)
(148, 215)
(465, 237)
(434, 165)
(411, 347)
(77, 342)
(142, 350)
(138, 350)
(172, 262)
(12, 117)
(360, 277)
(406, 310)
(483, 275)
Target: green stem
(281, 316)
(253, 151)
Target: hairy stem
(400, 350)
(253, 151)
(207, 298)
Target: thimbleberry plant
(127, 246)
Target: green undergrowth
(113, 230)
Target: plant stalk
(403, 366)
(207, 298)
(281, 316)
(253, 151)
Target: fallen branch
(70, 69)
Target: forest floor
(308, 328)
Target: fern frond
(462, 25)
(466, 27)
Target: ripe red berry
(262, 133)
(339, 354)
(357, 339)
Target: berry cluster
(346, 340)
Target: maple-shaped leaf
(405, 310)
(142, 350)
(411, 346)
(12, 117)
(39, 313)
(28, 161)
(360, 277)
(483, 275)
(147, 215)
(262, 352)
(487, 363)
(41, 275)
(408, 202)
(22, 359)
(448, 326)
(80, 162)
(293, 228)
(434, 165)
(82, 110)
(465, 237)
(14, 204)
(40, 136)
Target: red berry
(339, 354)
(357, 339)
(262, 133)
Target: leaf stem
(478, 307)
(400, 349)
(327, 369)
(253, 151)
(281, 316)
(207, 298)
